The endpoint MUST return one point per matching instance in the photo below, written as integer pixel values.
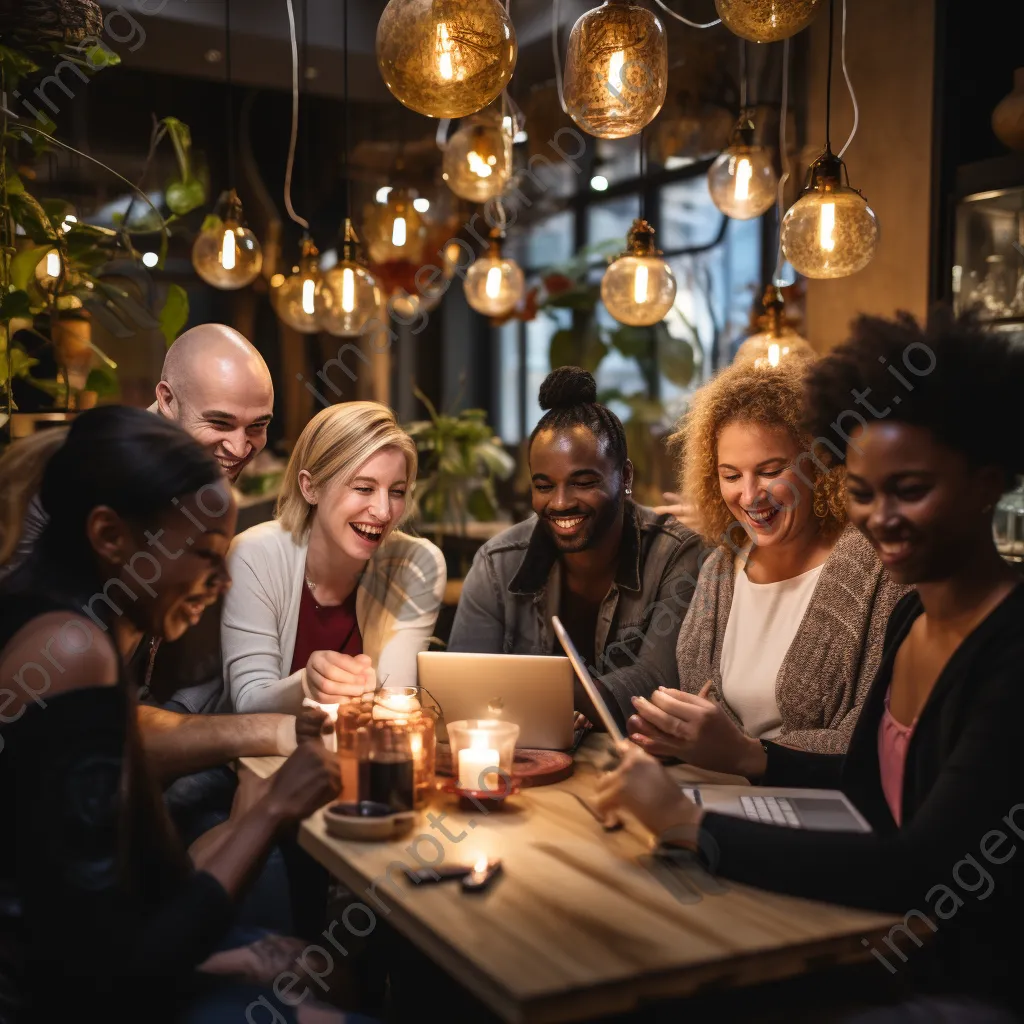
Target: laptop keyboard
(770, 809)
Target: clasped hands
(332, 677)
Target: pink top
(893, 738)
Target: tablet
(588, 684)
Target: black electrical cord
(229, 113)
(828, 82)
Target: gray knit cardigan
(828, 668)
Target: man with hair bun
(619, 576)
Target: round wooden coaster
(531, 767)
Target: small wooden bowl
(367, 821)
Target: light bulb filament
(348, 290)
(53, 263)
(827, 226)
(744, 172)
(773, 353)
(615, 65)
(480, 167)
(308, 287)
(640, 284)
(398, 232)
(227, 250)
(492, 287)
(444, 53)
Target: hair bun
(566, 387)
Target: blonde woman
(787, 622)
(330, 597)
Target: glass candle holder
(483, 751)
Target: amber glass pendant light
(494, 283)
(477, 161)
(767, 21)
(776, 341)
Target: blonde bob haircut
(335, 443)
(770, 396)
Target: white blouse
(763, 621)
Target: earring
(820, 507)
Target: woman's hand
(684, 510)
(310, 778)
(694, 729)
(642, 786)
(331, 677)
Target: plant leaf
(23, 265)
(633, 342)
(675, 357)
(103, 381)
(29, 213)
(15, 304)
(173, 313)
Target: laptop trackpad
(822, 813)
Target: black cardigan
(963, 790)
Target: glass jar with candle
(483, 751)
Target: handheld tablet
(588, 684)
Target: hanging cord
(743, 75)
(686, 21)
(555, 52)
(828, 78)
(307, 191)
(290, 162)
(229, 113)
(501, 220)
(783, 160)
(344, 111)
(643, 177)
(849, 85)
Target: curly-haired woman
(785, 629)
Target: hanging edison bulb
(293, 299)
(776, 340)
(767, 21)
(394, 231)
(830, 231)
(494, 284)
(446, 58)
(638, 288)
(616, 70)
(742, 180)
(348, 295)
(226, 253)
(478, 158)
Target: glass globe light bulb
(776, 341)
(742, 180)
(478, 159)
(767, 21)
(348, 296)
(616, 70)
(394, 231)
(494, 284)
(830, 231)
(293, 299)
(226, 253)
(446, 58)
(638, 288)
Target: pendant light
(226, 254)
(446, 58)
(639, 288)
(495, 283)
(742, 180)
(767, 21)
(477, 161)
(293, 300)
(830, 231)
(616, 69)
(776, 340)
(394, 231)
(348, 296)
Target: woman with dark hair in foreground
(930, 440)
(100, 907)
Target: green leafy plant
(460, 459)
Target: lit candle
(474, 762)
(395, 705)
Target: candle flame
(348, 290)
(308, 287)
(827, 226)
(227, 250)
(640, 284)
(744, 172)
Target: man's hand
(683, 509)
(310, 778)
(330, 676)
(311, 724)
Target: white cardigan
(397, 601)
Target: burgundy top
(325, 629)
(893, 738)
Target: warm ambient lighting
(478, 158)
(742, 180)
(421, 205)
(348, 295)
(638, 288)
(150, 259)
(391, 231)
(293, 300)
(616, 69)
(226, 253)
(494, 283)
(830, 231)
(446, 58)
(767, 21)
(382, 193)
(776, 341)
(48, 271)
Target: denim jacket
(513, 589)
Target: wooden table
(582, 922)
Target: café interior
(571, 637)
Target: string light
(639, 288)
(477, 160)
(776, 340)
(494, 283)
(348, 295)
(742, 180)
(226, 253)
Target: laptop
(820, 810)
(534, 691)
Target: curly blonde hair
(763, 395)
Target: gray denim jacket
(513, 589)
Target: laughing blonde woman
(331, 597)
(786, 626)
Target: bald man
(216, 385)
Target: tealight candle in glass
(483, 751)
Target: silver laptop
(820, 810)
(534, 691)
